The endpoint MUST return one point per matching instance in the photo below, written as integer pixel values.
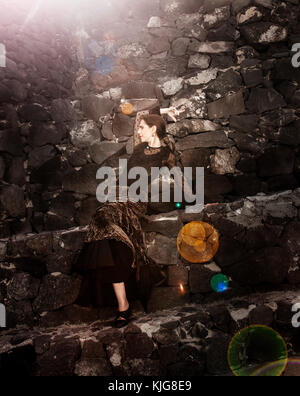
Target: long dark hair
(161, 129)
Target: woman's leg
(120, 292)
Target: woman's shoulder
(140, 147)
(137, 154)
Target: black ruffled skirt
(102, 263)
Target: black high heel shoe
(125, 315)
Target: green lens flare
(219, 283)
(257, 351)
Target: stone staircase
(191, 340)
(182, 333)
(259, 247)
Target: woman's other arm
(172, 112)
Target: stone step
(189, 340)
(259, 248)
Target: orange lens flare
(198, 242)
(181, 288)
(127, 108)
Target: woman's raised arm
(172, 112)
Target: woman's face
(145, 133)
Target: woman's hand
(173, 112)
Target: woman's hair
(161, 128)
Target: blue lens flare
(219, 283)
(105, 65)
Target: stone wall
(187, 341)
(229, 62)
(61, 91)
(259, 251)
(67, 72)
(230, 66)
(34, 114)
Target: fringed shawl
(121, 221)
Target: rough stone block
(276, 161)
(269, 265)
(100, 152)
(62, 110)
(138, 346)
(96, 106)
(207, 139)
(33, 112)
(123, 125)
(225, 107)
(144, 367)
(89, 367)
(264, 33)
(61, 358)
(215, 47)
(56, 291)
(225, 161)
(12, 200)
(23, 286)
(41, 244)
(163, 250)
(261, 315)
(167, 297)
(200, 277)
(45, 133)
(178, 7)
(194, 101)
(168, 224)
(84, 134)
(10, 142)
(262, 99)
(219, 15)
(40, 156)
(82, 181)
(217, 353)
(177, 275)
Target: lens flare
(181, 288)
(105, 65)
(33, 10)
(257, 350)
(219, 283)
(198, 242)
(127, 108)
(292, 368)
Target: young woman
(114, 252)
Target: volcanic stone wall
(186, 341)
(228, 62)
(259, 251)
(34, 83)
